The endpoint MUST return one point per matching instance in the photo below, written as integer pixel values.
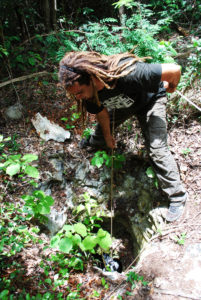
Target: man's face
(82, 91)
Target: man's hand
(171, 74)
(169, 88)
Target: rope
(189, 101)
(112, 181)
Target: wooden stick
(188, 100)
(179, 294)
(24, 78)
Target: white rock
(48, 130)
(14, 112)
(56, 220)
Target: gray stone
(59, 168)
(14, 112)
(56, 221)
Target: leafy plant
(3, 51)
(3, 142)
(9, 143)
(178, 10)
(133, 278)
(101, 157)
(193, 68)
(81, 235)
(67, 125)
(181, 238)
(17, 164)
(14, 231)
(38, 204)
(72, 237)
(186, 151)
(73, 118)
(104, 283)
(87, 132)
(88, 212)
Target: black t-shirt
(136, 90)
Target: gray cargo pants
(154, 128)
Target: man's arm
(104, 121)
(171, 74)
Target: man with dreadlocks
(125, 84)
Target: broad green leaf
(39, 194)
(65, 245)
(89, 242)
(21, 228)
(69, 234)
(86, 196)
(14, 157)
(101, 233)
(32, 61)
(68, 228)
(97, 161)
(76, 263)
(49, 200)
(80, 208)
(13, 169)
(81, 229)
(76, 239)
(7, 139)
(150, 173)
(20, 58)
(29, 157)
(28, 197)
(105, 242)
(48, 280)
(7, 163)
(88, 208)
(105, 156)
(31, 171)
(54, 241)
(4, 294)
(43, 209)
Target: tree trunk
(121, 15)
(53, 13)
(46, 13)
(21, 22)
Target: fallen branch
(24, 78)
(188, 100)
(172, 229)
(179, 294)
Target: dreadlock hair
(83, 67)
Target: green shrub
(18, 164)
(38, 205)
(101, 157)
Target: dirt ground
(164, 270)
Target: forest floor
(185, 144)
